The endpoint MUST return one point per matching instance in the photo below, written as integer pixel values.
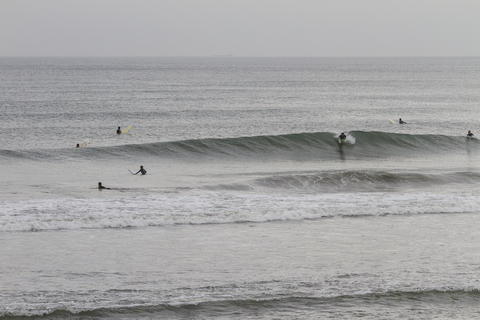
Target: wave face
(317, 145)
(362, 180)
(369, 304)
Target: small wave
(362, 180)
(299, 146)
(272, 305)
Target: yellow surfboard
(127, 129)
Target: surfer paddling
(101, 187)
(400, 121)
(469, 134)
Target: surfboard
(127, 129)
(341, 141)
(84, 144)
(391, 121)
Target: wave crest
(362, 180)
(315, 145)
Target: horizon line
(234, 56)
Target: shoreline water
(287, 269)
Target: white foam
(202, 207)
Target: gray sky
(239, 27)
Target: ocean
(250, 208)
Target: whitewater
(250, 209)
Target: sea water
(250, 208)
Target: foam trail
(209, 207)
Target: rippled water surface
(251, 208)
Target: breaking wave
(210, 207)
(362, 180)
(241, 308)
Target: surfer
(119, 131)
(342, 136)
(100, 187)
(78, 145)
(142, 171)
(469, 134)
(400, 121)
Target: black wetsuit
(142, 171)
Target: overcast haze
(239, 27)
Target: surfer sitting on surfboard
(119, 131)
(401, 121)
(142, 171)
(470, 134)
